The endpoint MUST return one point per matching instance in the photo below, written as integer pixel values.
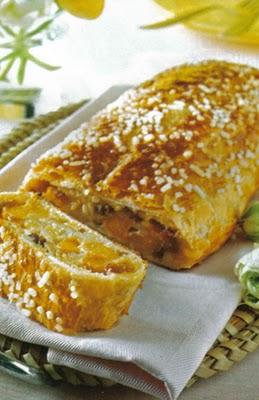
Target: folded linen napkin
(172, 323)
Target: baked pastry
(60, 272)
(168, 168)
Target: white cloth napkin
(173, 320)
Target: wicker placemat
(239, 337)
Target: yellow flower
(89, 9)
(235, 20)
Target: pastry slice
(60, 272)
(168, 168)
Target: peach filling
(149, 237)
(56, 235)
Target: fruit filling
(147, 236)
(58, 235)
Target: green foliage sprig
(20, 43)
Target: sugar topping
(44, 279)
(26, 299)
(180, 133)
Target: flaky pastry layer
(60, 272)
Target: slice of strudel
(58, 271)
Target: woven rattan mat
(239, 337)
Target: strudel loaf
(168, 168)
(60, 272)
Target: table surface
(94, 56)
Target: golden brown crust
(181, 148)
(58, 271)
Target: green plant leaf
(253, 209)
(21, 70)
(40, 28)
(20, 45)
(180, 18)
(250, 222)
(7, 30)
(6, 45)
(7, 56)
(7, 68)
(42, 64)
(35, 43)
(247, 271)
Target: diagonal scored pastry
(60, 272)
(168, 168)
